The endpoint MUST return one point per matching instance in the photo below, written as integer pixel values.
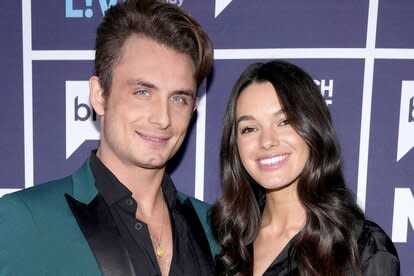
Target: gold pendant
(159, 251)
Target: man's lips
(159, 139)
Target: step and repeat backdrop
(359, 52)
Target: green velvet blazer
(39, 234)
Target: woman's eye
(247, 130)
(284, 122)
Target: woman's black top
(378, 254)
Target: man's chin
(152, 164)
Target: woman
(285, 209)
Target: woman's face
(270, 149)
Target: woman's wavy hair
(327, 244)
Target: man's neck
(143, 183)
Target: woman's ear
(97, 95)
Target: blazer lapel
(97, 225)
(198, 238)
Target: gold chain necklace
(159, 250)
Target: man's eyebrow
(186, 92)
(143, 83)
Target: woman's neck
(283, 211)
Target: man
(120, 214)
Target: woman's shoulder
(373, 237)
(375, 246)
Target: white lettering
(175, 2)
(81, 122)
(403, 213)
(220, 6)
(406, 125)
(326, 90)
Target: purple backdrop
(361, 53)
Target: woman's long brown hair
(327, 244)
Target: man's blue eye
(142, 92)
(178, 99)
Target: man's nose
(160, 114)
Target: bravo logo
(220, 6)
(406, 127)
(81, 122)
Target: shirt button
(138, 226)
(129, 202)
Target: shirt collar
(112, 190)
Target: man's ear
(196, 101)
(96, 95)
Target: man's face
(145, 117)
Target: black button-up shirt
(135, 234)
